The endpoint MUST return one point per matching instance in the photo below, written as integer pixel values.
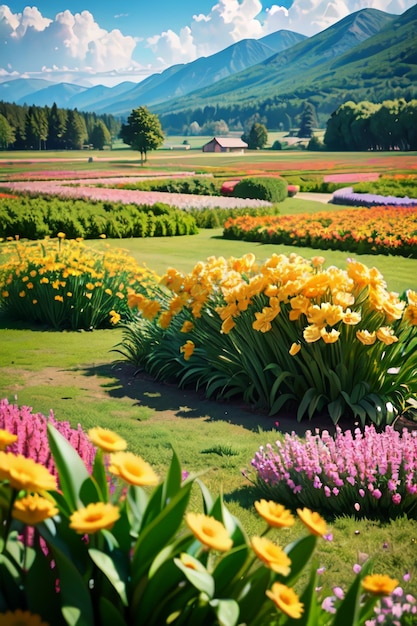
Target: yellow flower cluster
(330, 300)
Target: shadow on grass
(167, 398)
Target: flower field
(380, 230)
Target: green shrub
(262, 188)
(199, 185)
(38, 217)
(213, 218)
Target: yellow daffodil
(295, 349)
(106, 439)
(209, 531)
(386, 335)
(286, 600)
(271, 554)
(313, 521)
(312, 333)
(132, 469)
(187, 349)
(187, 327)
(379, 584)
(94, 517)
(365, 337)
(33, 509)
(351, 317)
(114, 317)
(274, 514)
(329, 336)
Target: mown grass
(76, 375)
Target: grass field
(77, 375)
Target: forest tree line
(52, 128)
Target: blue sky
(97, 42)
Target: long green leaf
(112, 572)
(227, 611)
(109, 615)
(73, 474)
(299, 552)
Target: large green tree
(143, 131)
(7, 135)
(308, 120)
(257, 137)
(100, 135)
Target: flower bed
(284, 332)
(349, 197)
(366, 474)
(380, 230)
(65, 284)
(119, 546)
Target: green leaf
(199, 578)
(227, 611)
(299, 552)
(279, 402)
(207, 497)
(100, 476)
(109, 615)
(155, 535)
(112, 572)
(229, 567)
(348, 611)
(308, 397)
(335, 409)
(73, 474)
(252, 596)
(173, 479)
(76, 601)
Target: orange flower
(379, 584)
(274, 514)
(209, 531)
(106, 439)
(94, 517)
(133, 469)
(187, 327)
(286, 600)
(365, 337)
(271, 554)
(114, 317)
(313, 521)
(329, 337)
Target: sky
(97, 42)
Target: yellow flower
(264, 319)
(379, 584)
(23, 473)
(33, 509)
(317, 261)
(89, 286)
(94, 517)
(295, 349)
(209, 531)
(5, 294)
(228, 325)
(312, 333)
(106, 439)
(61, 235)
(102, 236)
(187, 327)
(6, 438)
(286, 600)
(365, 337)
(132, 469)
(386, 335)
(165, 319)
(274, 514)
(187, 349)
(22, 294)
(59, 298)
(21, 618)
(114, 317)
(272, 555)
(314, 522)
(351, 317)
(326, 313)
(329, 337)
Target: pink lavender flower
(32, 438)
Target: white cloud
(69, 42)
(74, 46)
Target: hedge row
(36, 218)
(200, 185)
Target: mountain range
(369, 54)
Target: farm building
(225, 144)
